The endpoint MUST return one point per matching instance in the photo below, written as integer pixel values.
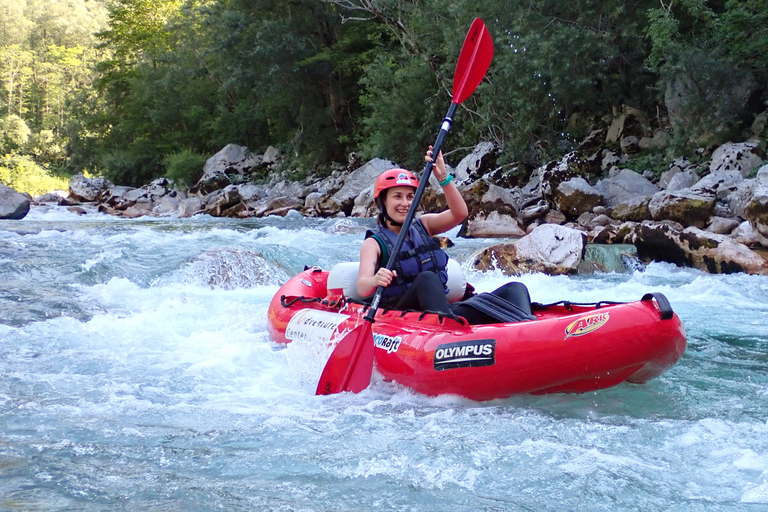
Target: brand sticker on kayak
(587, 324)
(309, 324)
(463, 354)
(388, 343)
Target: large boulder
(481, 160)
(492, 225)
(13, 205)
(576, 196)
(88, 189)
(721, 183)
(571, 165)
(623, 187)
(632, 209)
(550, 248)
(693, 247)
(229, 166)
(681, 180)
(688, 207)
(354, 184)
(742, 157)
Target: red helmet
(394, 178)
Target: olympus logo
(464, 354)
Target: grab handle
(664, 306)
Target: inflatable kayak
(570, 348)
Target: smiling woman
(419, 276)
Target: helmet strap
(384, 214)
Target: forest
(137, 89)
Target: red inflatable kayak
(568, 348)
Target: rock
(13, 205)
(251, 192)
(481, 160)
(623, 187)
(744, 234)
(610, 160)
(228, 166)
(554, 217)
(682, 180)
(88, 189)
(692, 247)
(364, 205)
(167, 206)
(502, 199)
(667, 176)
(756, 211)
(138, 210)
(722, 225)
(217, 202)
(571, 165)
(549, 248)
(534, 212)
(354, 184)
(576, 196)
(494, 225)
(271, 156)
(630, 144)
(742, 157)
(634, 209)
(688, 207)
(311, 203)
(229, 269)
(57, 196)
(720, 182)
(190, 206)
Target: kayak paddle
(351, 364)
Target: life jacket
(419, 253)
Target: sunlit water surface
(136, 373)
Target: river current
(136, 373)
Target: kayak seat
(343, 276)
(506, 304)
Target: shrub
(184, 168)
(22, 174)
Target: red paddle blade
(474, 60)
(351, 364)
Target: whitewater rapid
(137, 374)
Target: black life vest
(419, 253)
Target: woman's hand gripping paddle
(351, 363)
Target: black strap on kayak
(569, 305)
(498, 308)
(661, 300)
(287, 301)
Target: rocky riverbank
(711, 215)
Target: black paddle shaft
(447, 122)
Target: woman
(418, 278)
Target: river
(136, 373)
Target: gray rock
(493, 225)
(682, 180)
(688, 207)
(576, 196)
(549, 248)
(481, 160)
(623, 187)
(741, 156)
(357, 181)
(88, 189)
(722, 225)
(13, 205)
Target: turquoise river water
(136, 373)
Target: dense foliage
(137, 89)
